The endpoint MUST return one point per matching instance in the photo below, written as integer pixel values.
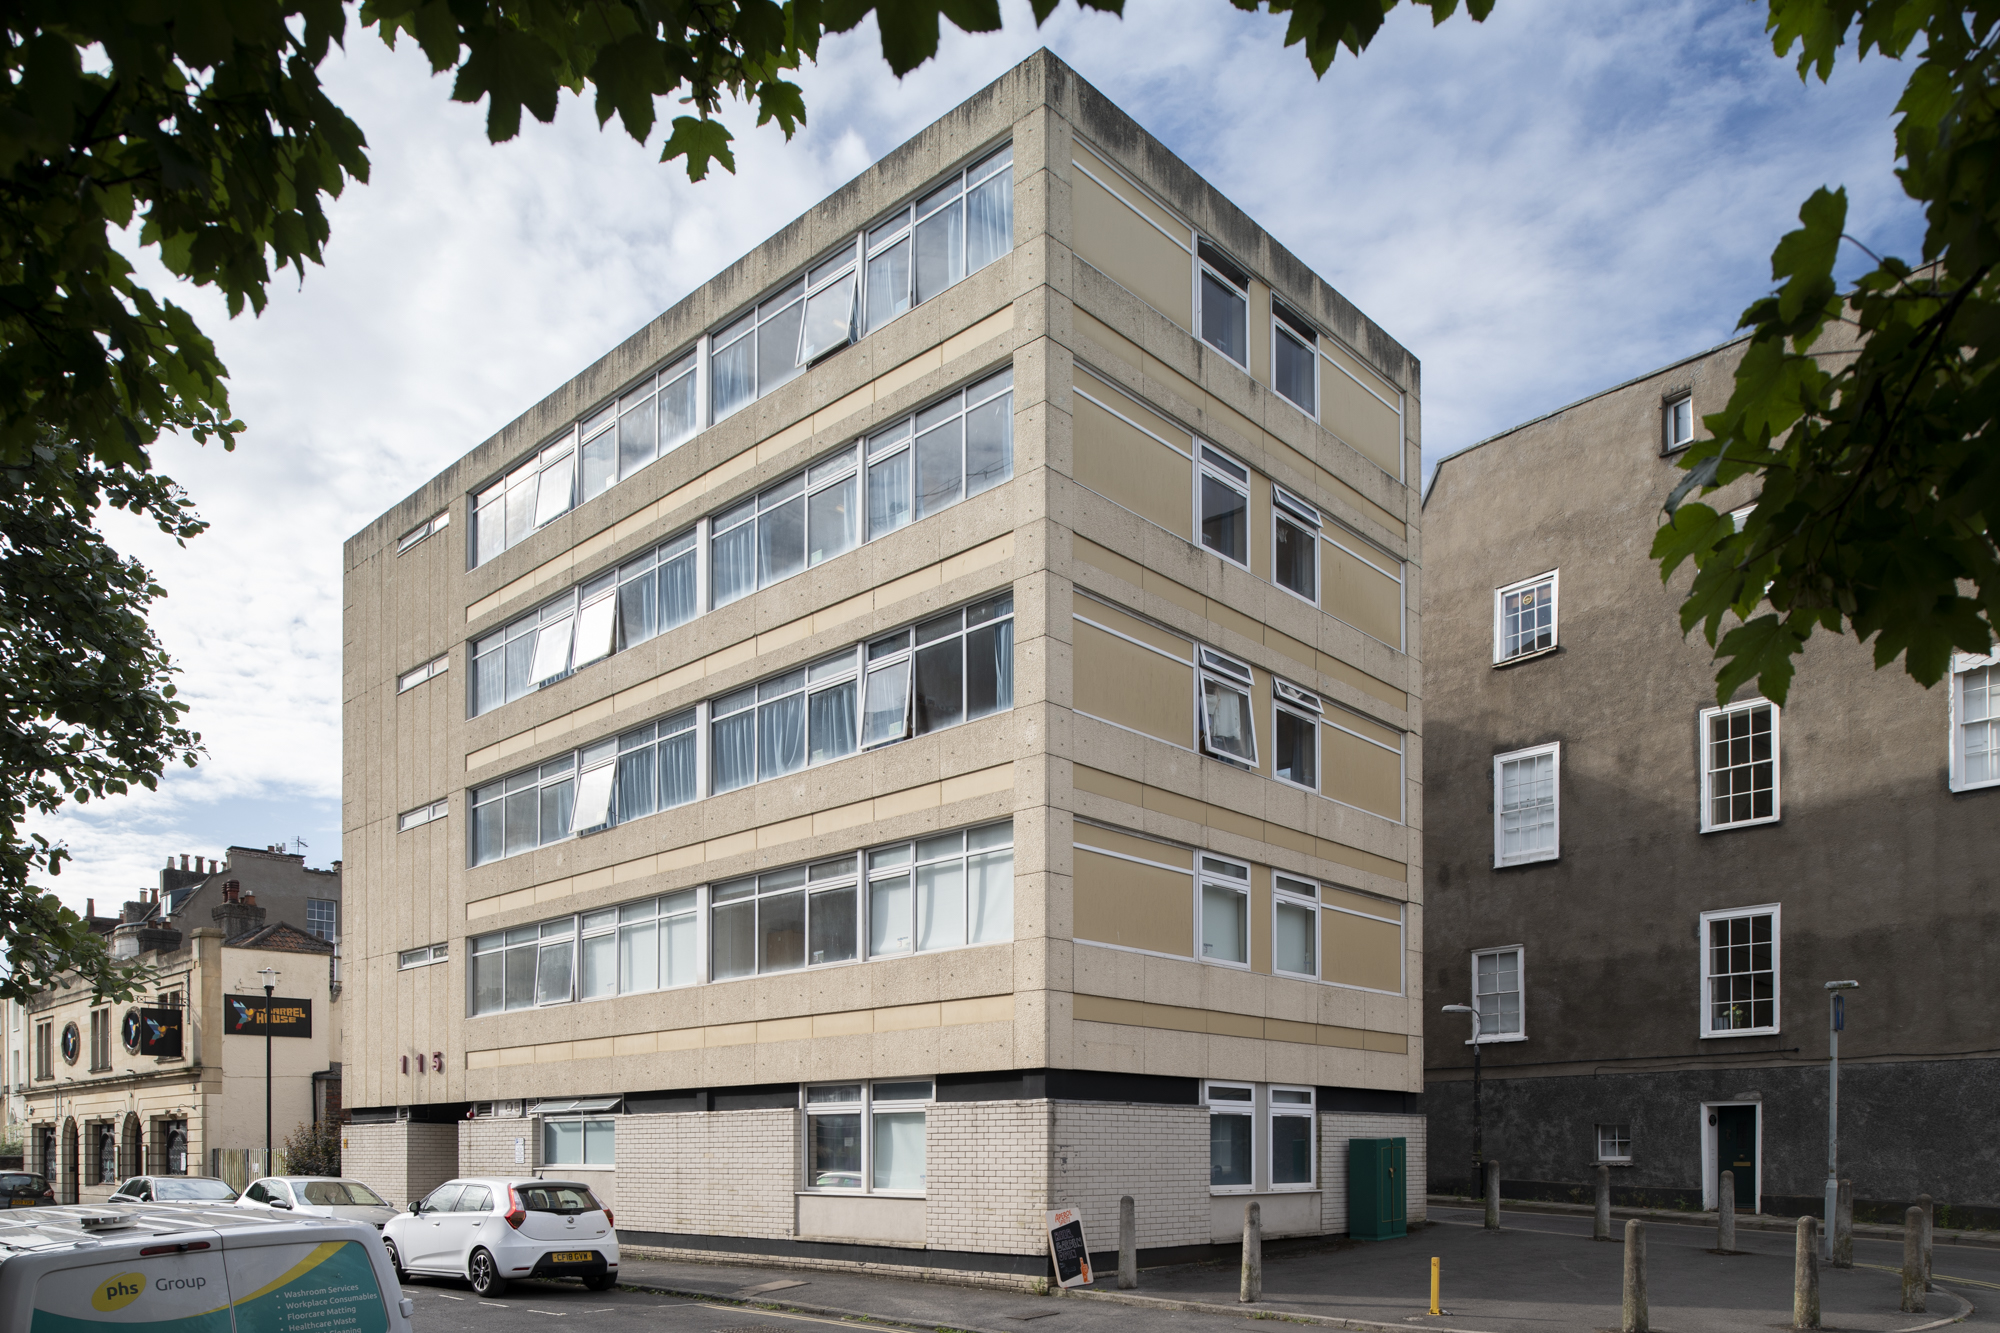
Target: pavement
(1540, 1273)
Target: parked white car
(493, 1230)
(319, 1196)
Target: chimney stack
(238, 913)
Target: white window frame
(428, 955)
(584, 1120)
(1215, 267)
(409, 680)
(422, 815)
(1227, 673)
(1247, 1109)
(1551, 577)
(1281, 327)
(1309, 1111)
(1500, 761)
(1520, 953)
(1670, 420)
(866, 1106)
(1216, 871)
(1963, 664)
(1289, 508)
(1708, 1029)
(1702, 758)
(1303, 706)
(435, 523)
(1614, 1158)
(1300, 895)
(1211, 462)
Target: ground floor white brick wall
(991, 1170)
(1334, 1132)
(401, 1159)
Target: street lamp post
(270, 976)
(1835, 1020)
(1478, 1126)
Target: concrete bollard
(1725, 1213)
(1930, 1226)
(1843, 1224)
(1633, 1316)
(1493, 1196)
(1128, 1245)
(1253, 1255)
(1805, 1275)
(1913, 1261)
(1602, 1228)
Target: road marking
(553, 1314)
(1938, 1277)
(450, 1298)
(779, 1314)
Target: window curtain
(990, 890)
(735, 745)
(832, 723)
(989, 221)
(899, 1150)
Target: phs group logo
(118, 1292)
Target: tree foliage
(1874, 452)
(203, 123)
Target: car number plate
(573, 1256)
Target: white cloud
(1539, 206)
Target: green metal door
(1736, 1150)
(1377, 1189)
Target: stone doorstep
(1744, 1221)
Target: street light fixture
(270, 976)
(1478, 1144)
(1836, 1019)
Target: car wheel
(601, 1281)
(395, 1261)
(485, 1275)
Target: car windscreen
(334, 1193)
(567, 1199)
(193, 1188)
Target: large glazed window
(1227, 731)
(1975, 721)
(957, 229)
(783, 920)
(1295, 530)
(1526, 805)
(1232, 1122)
(1497, 986)
(948, 452)
(1294, 928)
(1740, 972)
(1225, 305)
(1225, 911)
(524, 811)
(644, 946)
(1739, 770)
(952, 668)
(781, 725)
(1295, 735)
(942, 891)
(866, 1137)
(1295, 359)
(1225, 506)
(1290, 1134)
(758, 352)
(651, 419)
(804, 519)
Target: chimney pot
(90, 909)
(184, 861)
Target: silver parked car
(319, 1196)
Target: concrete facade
(1874, 862)
(1154, 900)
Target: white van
(122, 1268)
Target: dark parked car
(25, 1189)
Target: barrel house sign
(243, 1016)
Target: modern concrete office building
(1646, 894)
(925, 731)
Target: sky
(1540, 206)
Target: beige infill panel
(1362, 950)
(1358, 592)
(1133, 686)
(1361, 408)
(1131, 240)
(1137, 906)
(1359, 772)
(1129, 467)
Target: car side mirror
(417, 1207)
(280, 1203)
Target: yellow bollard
(1434, 1286)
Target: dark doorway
(1736, 1150)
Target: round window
(72, 1043)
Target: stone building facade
(934, 709)
(1646, 894)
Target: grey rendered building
(1645, 895)
(926, 731)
